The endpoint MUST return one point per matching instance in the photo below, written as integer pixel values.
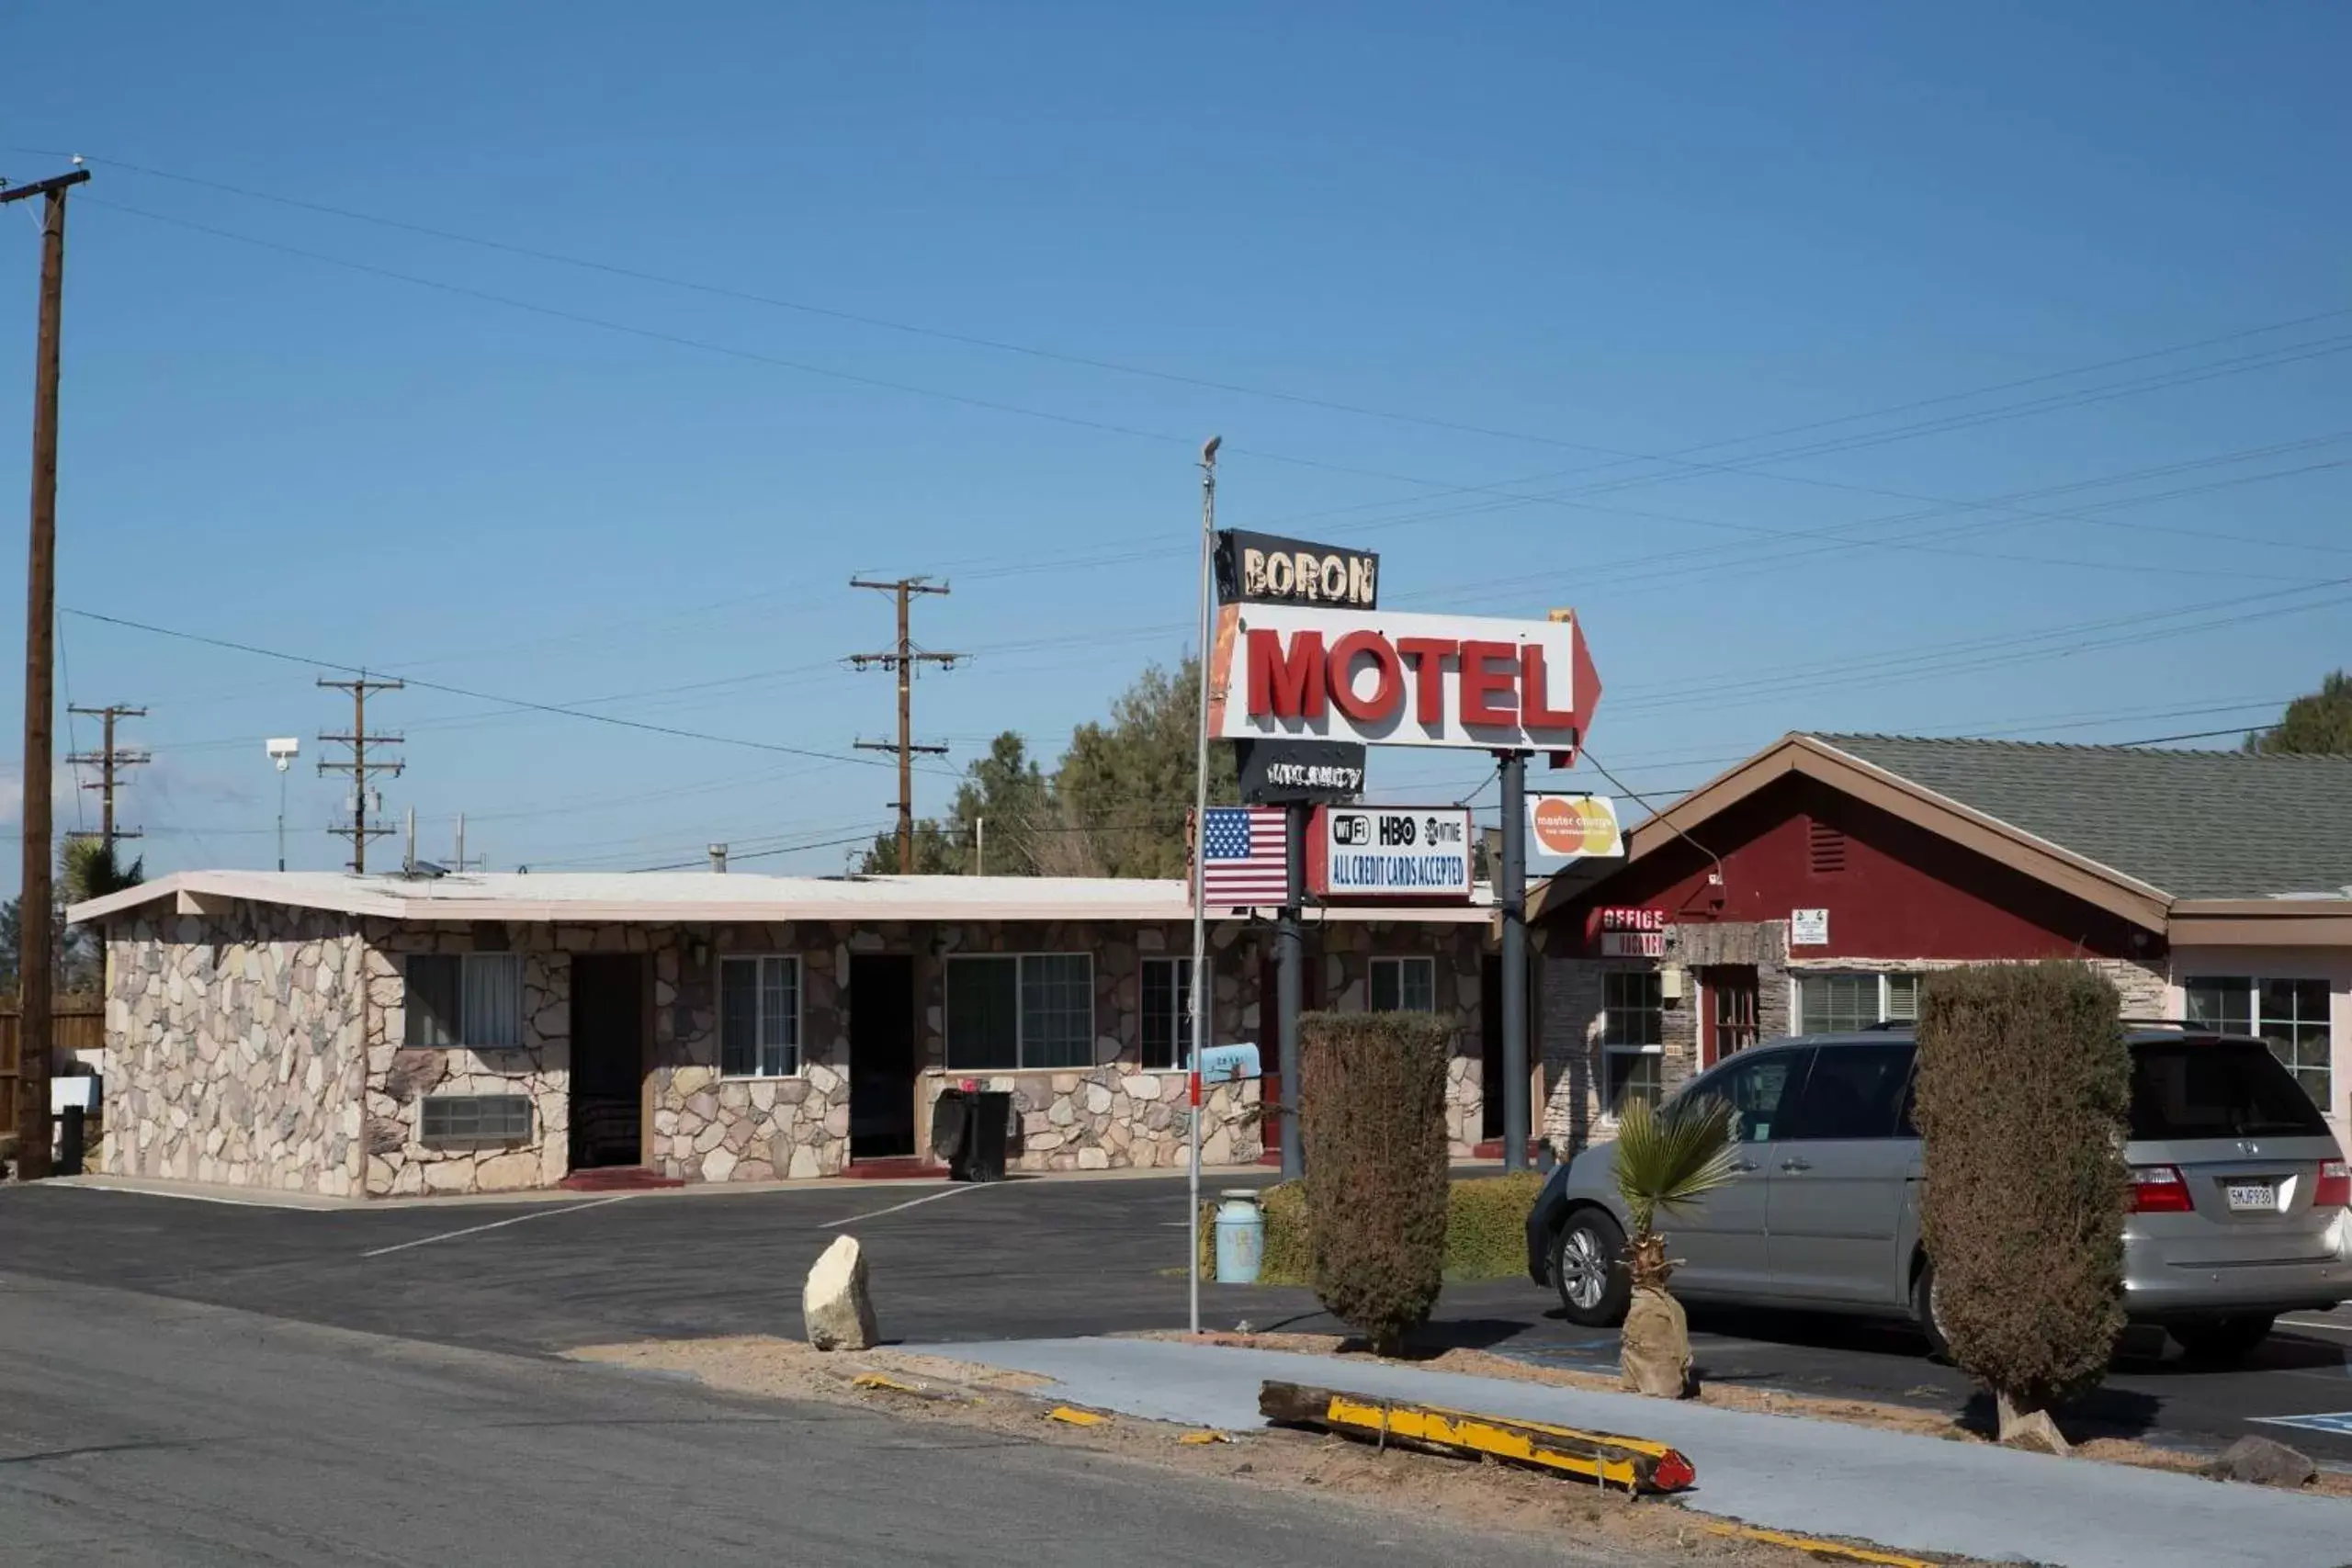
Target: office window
(464, 1000)
(1167, 1013)
(2290, 1016)
(1835, 1004)
(1404, 985)
(1034, 1009)
(1633, 1037)
(758, 1016)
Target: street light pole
(1200, 991)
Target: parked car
(2238, 1190)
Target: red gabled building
(1809, 888)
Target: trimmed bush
(1485, 1231)
(1371, 1092)
(2024, 1086)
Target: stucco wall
(235, 1049)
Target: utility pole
(1511, 888)
(360, 764)
(36, 926)
(458, 862)
(902, 659)
(110, 760)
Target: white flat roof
(666, 897)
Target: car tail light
(2335, 1188)
(2159, 1189)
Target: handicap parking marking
(2337, 1422)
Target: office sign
(1261, 568)
(1389, 852)
(1631, 933)
(1277, 771)
(1573, 827)
(1380, 678)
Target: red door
(1730, 1012)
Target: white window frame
(794, 1059)
(465, 1033)
(1886, 978)
(1020, 1013)
(1609, 1049)
(1179, 1049)
(1372, 981)
(2255, 1021)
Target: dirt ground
(1861, 1412)
(1482, 1496)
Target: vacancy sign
(1282, 672)
(1573, 827)
(1390, 853)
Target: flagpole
(1200, 992)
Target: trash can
(987, 1123)
(950, 1125)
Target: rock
(2029, 1429)
(834, 1305)
(384, 1136)
(717, 1164)
(2258, 1462)
(1654, 1356)
(1092, 1158)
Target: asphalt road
(140, 1429)
(1020, 1259)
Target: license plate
(2253, 1195)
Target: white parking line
(498, 1224)
(909, 1203)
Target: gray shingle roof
(2194, 824)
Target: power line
(903, 658)
(360, 763)
(112, 761)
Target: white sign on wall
(1808, 928)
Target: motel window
(471, 999)
(1632, 1036)
(758, 1016)
(2290, 1015)
(474, 1120)
(1033, 1009)
(1167, 1013)
(1404, 985)
(1836, 1004)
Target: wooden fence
(80, 1025)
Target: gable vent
(1827, 846)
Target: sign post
(1200, 990)
(1512, 896)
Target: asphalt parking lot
(1018, 1259)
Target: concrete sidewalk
(1913, 1493)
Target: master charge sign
(1389, 852)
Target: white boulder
(834, 1305)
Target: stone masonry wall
(235, 1049)
(400, 1077)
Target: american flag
(1242, 857)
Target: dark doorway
(608, 1036)
(881, 1055)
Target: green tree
(1666, 1160)
(934, 855)
(2024, 1080)
(89, 868)
(2319, 722)
(1007, 792)
(1127, 786)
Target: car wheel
(1923, 1312)
(1589, 1266)
(2223, 1338)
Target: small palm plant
(1666, 1160)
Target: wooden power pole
(359, 765)
(902, 660)
(36, 923)
(110, 760)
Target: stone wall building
(1813, 886)
(387, 1036)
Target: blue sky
(1546, 237)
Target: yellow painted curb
(1076, 1417)
(877, 1380)
(1205, 1438)
(1638, 1464)
(1820, 1547)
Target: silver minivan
(2239, 1192)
